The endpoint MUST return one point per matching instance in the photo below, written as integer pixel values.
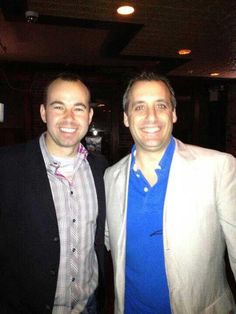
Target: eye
(138, 107)
(58, 107)
(162, 106)
(79, 109)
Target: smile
(68, 130)
(151, 130)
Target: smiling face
(67, 114)
(150, 116)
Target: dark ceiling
(91, 33)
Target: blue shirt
(146, 289)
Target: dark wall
(201, 109)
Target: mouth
(68, 130)
(151, 130)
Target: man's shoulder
(18, 150)
(200, 151)
(202, 155)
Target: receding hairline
(133, 84)
(60, 79)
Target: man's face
(150, 116)
(67, 115)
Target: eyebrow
(162, 100)
(56, 102)
(81, 104)
(138, 102)
(78, 104)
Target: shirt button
(145, 189)
(71, 192)
(74, 220)
(73, 279)
(73, 250)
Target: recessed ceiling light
(215, 74)
(184, 52)
(125, 10)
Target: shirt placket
(72, 240)
(74, 245)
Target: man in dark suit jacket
(52, 212)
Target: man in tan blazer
(171, 212)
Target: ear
(43, 113)
(90, 115)
(174, 116)
(126, 120)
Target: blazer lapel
(121, 179)
(36, 179)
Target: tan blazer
(199, 218)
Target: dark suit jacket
(29, 236)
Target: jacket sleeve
(226, 204)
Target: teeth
(68, 130)
(151, 130)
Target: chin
(154, 148)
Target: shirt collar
(51, 164)
(164, 160)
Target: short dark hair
(148, 76)
(68, 77)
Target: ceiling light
(95, 132)
(125, 10)
(215, 74)
(184, 52)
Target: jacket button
(48, 307)
(52, 272)
(55, 239)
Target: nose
(69, 114)
(151, 114)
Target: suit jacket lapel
(37, 180)
(121, 177)
(97, 171)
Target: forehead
(149, 89)
(60, 88)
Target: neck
(60, 151)
(147, 163)
(148, 160)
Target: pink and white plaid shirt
(75, 201)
